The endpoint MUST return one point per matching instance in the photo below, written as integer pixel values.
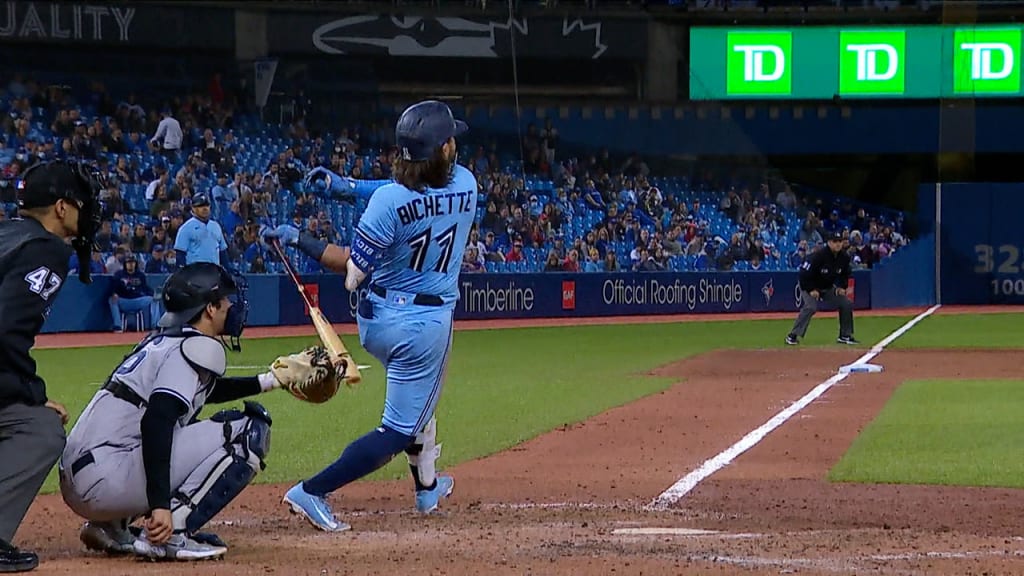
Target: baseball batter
(138, 450)
(411, 236)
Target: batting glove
(286, 234)
(320, 180)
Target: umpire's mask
(45, 183)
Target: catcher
(139, 451)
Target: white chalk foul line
(709, 467)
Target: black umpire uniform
(824, 276)
(34, 258)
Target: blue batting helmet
(425, 126)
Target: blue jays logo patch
(768, 290)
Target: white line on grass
(709, 467)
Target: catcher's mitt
(309, 375)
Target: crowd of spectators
(197, 151)
(655, 226)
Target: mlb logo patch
(568, 295)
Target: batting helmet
(189, 290)
(425, 126)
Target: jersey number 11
(419, 244)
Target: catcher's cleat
(313, 508)
(179, 547)
(107, 537)
(427, 500)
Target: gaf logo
(313, 291)
(568, 295)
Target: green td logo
(759, 63)
(872, 62)
(986, 61)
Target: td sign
(986, 61)
(872, 62)
(759, 63)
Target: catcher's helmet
(191, 288)
(425, 126)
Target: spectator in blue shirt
(797, 258)
(132, 294)
(593, 197)
(221, 192)
(156, 263)
(201, 239)
(95, 264)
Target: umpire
(57, 201)
(824, 276)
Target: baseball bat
(330, 339)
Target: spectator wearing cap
(491, 251)
(221, 192)
(132, 294)
(168, 137)
(156, 264)
(833, 224)
(200, 239)
(516, 253)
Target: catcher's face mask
(237, 315)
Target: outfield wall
(274, 301)
(980, 239)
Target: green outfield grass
(951, 432)
(966, 331)
(504, 386)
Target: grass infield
(504, 386)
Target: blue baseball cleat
(427, 500)
(314, 508)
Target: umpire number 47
(43, 282)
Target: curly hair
(434, 173)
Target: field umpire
(57, 201)
(824, 276)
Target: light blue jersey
(415, 241)
(200, 241)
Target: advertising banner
(818, 62)
(274, 301)
(559, 295)
(123, 23)
(567, 37)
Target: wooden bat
(330, 339)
